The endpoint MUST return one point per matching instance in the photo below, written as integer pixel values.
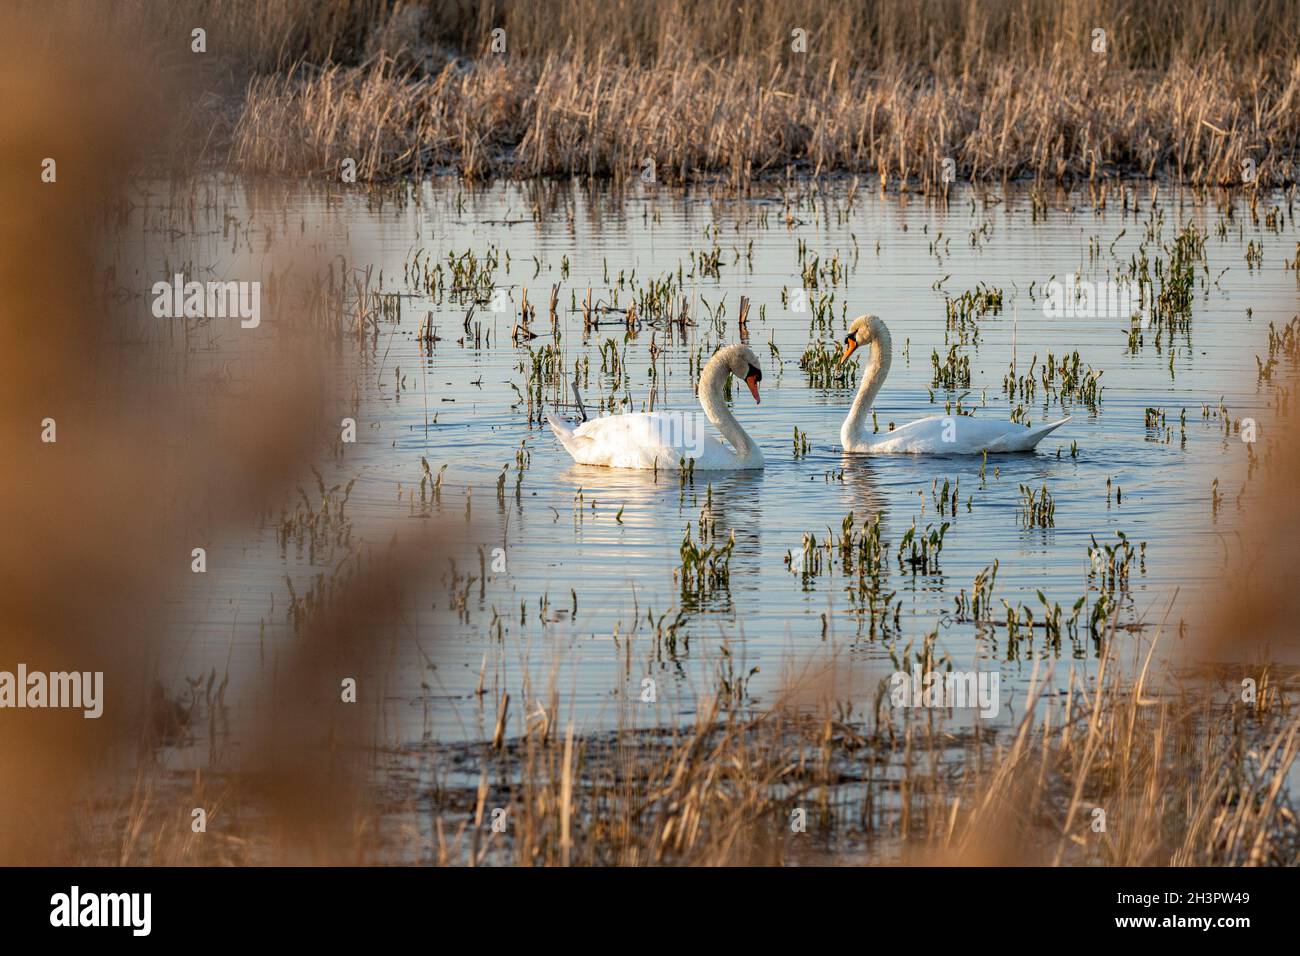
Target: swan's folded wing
(637, 430)
(1004, 443)
(640, 440)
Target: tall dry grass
(712, 89)
(1185, 90)
(1182, 774)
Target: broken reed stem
(499, 735)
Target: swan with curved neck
(671, 440)
(936, 435)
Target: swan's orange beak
(752, 381)
(850, 346)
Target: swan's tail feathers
(558, 425)
(564, 431)
(1042, 431)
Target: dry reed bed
(1068, 121)
(1184, 778)
(1006, 88)
(1182, 782)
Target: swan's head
(743, 363)
(863, 330)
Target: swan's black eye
(848, 339)
(755, 373)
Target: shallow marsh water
(588, 606)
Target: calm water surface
(607, 543)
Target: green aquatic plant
(1037, 508)
(952, 371)
(821, 365)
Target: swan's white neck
(713, 381)
(873, 377)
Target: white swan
(936, 435)
(665, 439)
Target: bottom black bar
(332, 905)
